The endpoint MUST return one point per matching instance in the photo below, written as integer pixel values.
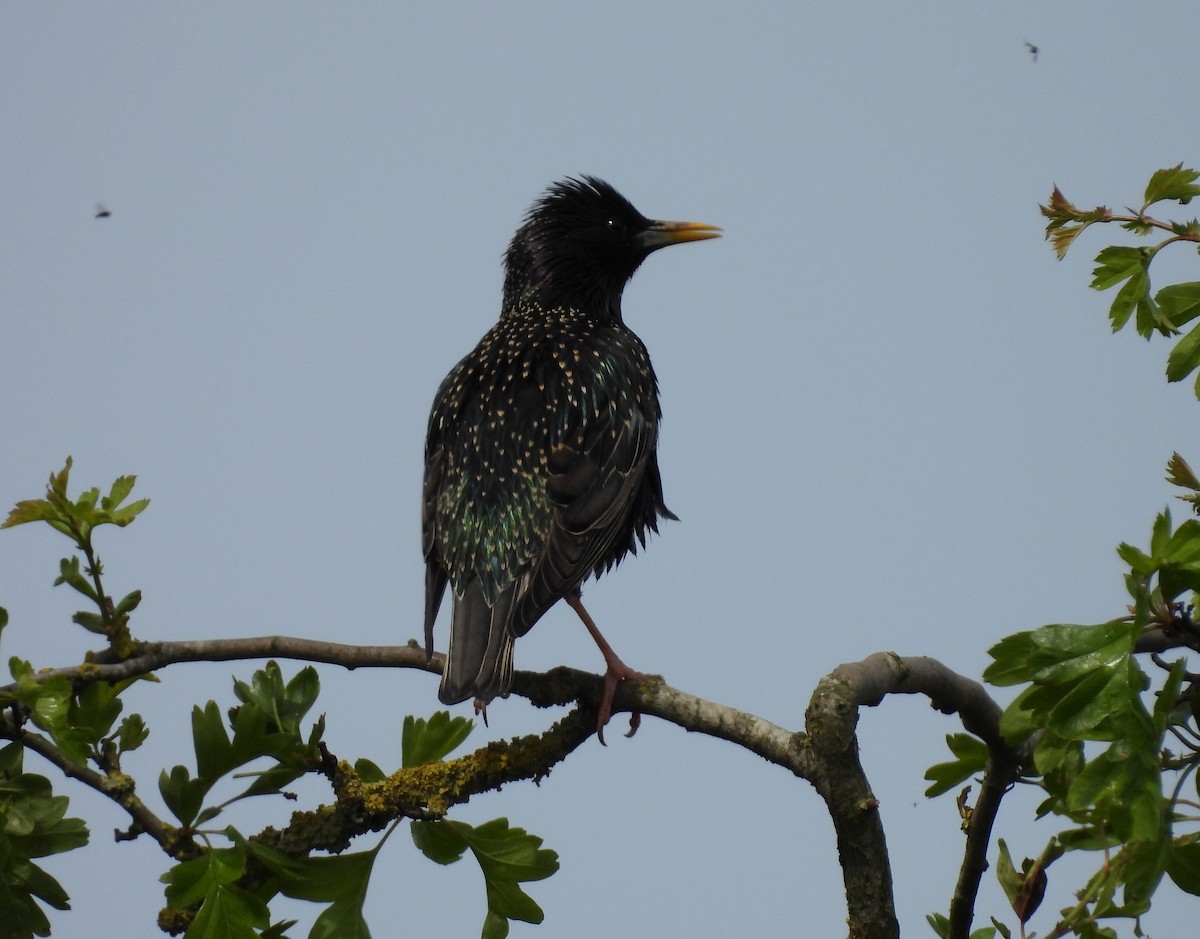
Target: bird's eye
(614, 225)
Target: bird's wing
(579, 486)
(602, 486)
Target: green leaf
(1128, 299)
(1175, 183)
(1058, 653)
(440, 843)
(342, 883)
(1184, 357)
(939, 923)
(227, 910)
(972, 756)
(214, 752)
(118, 493)
(1180, 303)
(132, 733)
(1183, 864)
(183, 795)
(1067, 222)
(1179, 473)
(96, 707)
(1167, 701)
(1144, 865)
(427, 741)
(30, 510)
(369, 772)
(507, 857)
(1006, 872)
(188, 882)
(1115, 264)
(33, 824)
(71, 575)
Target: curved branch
(832, 718)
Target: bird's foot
(481, 710)
(616, 673)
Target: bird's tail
(479, 661)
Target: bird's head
(580, 244)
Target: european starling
(540, 458)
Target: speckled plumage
(540, 458)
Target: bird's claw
(612, 678)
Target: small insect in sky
(1033, 50)
(102, 211)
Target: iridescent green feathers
(540, 464)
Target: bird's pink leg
(615, 671)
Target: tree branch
(118, 788)
(826, 755)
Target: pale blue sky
(892, 419)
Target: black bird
(1033, 50)
(540, 458)
(102, 211)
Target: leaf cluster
(77, 519)
(226, 891)
(33, 824)
(1127, 267)
(224, 881)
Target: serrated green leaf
(507, 857)
(1011, 658)
(1140, 562)
(971, 758)
(214, 751)
(1179, 473)
(1176, 183)
(229, 912)
(126, 514)
(95, 709)
(1150, 318)
(183, 795)
(30, 510)
(425, 741)
(121, 487)
(339, 881)
(1115, 264)
(1127, 300)
(1160, 535)
(132, 733)
(188, 882)
(1067, 222)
